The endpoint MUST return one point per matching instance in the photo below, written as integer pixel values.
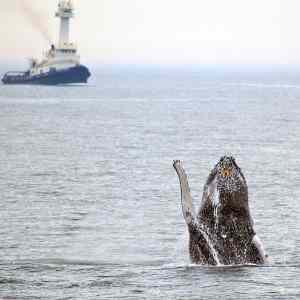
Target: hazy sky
(161, 31)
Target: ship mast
(65, 12)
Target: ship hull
(77, 74)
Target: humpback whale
(222, 231)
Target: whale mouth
(225, 172)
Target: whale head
(226, 184)
(229, 176)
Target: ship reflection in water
(61, 64)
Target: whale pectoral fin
(186, 198)
(201, 251)
(261, 255)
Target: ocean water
(90, 203)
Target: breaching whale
(222, 232)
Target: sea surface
(90, 203)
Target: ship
(60, 64)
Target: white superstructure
(63, 55)
(65, 13)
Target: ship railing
(15, 73)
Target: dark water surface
(90, 203)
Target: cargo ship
(61, 63)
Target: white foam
(216, 198)
(214, 195)
(258, 244)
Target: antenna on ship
(65, 12)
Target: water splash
(211, 246)
(215, 201)
(216, 204)
(257, 242)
